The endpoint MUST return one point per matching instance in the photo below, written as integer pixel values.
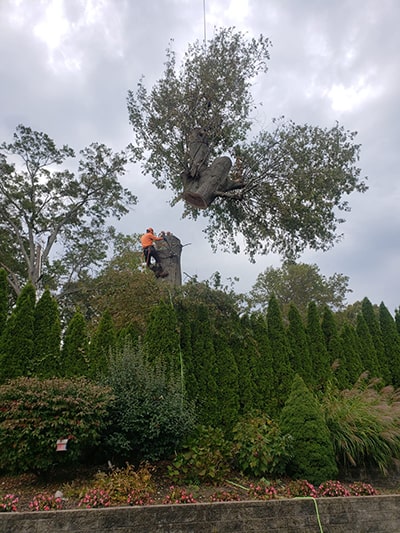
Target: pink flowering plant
(95, 498)
(8, 503)
(359, 488)
(45, 502)
(331, 488)
(225, 496)
(140, 497)
(262, 491)
(178, 495)
(300, 488)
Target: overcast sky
(66, 67)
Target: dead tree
(202, 183)
(169, 251)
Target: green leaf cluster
(36, 413)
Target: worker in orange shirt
(149, 251)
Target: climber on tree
(149, 251)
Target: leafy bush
(121, 482)
(364, 423)
(225, 496)
(205, 458)
(260, 448)
(151, 415)
(35, 413)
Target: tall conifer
(161, 339)
(262, 369)
(226, 379)
(16, 346)
(204, 366)
(280, 350)
(47, 337)
(372, 321)
(74, 353)
(101, 343)
(319, 354)
(300, 358)
(369, 359)
(350, 362)
(391, 343)
(246, 355)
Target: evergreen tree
(262, 370)
(161, 339)
(300, 358)
(302, 418)
(246, 354)
(102, 342)
(318, 351)
(74, 353)
(185, 336)
(16, 346)
(226, 380)
(391, 343)
(350, 366)
(204, 366)
(397, 318)
(280, 350)
(47, 337)
(3, 299)
(331, 334)
(372, 321)
(368, 356)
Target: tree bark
(169, 251)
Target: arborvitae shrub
(36, 413)
(47, 337)
(313, 454)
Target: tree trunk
(202, 191)
(169, 251)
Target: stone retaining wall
(375, 514)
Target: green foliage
(150, 415)
(391, 343)
(205, 458)
(47, 338)
(298, 284)
(260, 448)
(364, 424)
(17, 340)
(36, 413)
(288, 184)
(161, 340)
(120, 482)
(313, 453)
(102, 342)
(300, 357)
(75, 360)
(321, 368)
(369, 360)
(371, 318)
(41, 204)
(280, 349)
(3, 299)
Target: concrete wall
(373, 514)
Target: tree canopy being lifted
(193, 132)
